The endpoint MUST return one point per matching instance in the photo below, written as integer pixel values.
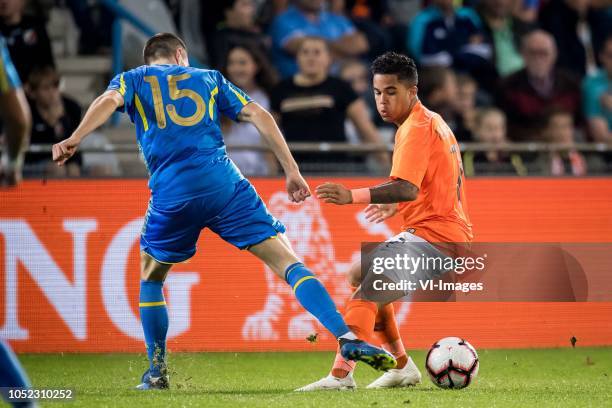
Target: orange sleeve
(411, 154)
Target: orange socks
(387, 331)
(360, 316)
(364, 319)
(342, 367)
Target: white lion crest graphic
(308, 232)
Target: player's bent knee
(354, 274)
(275, 254)
(151, 270)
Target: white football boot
(398, 377)
(331, 383)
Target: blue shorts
(237, 214)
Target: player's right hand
(380, 212)
(64, 150)
(297, 188)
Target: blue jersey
(176, 111)
(8, 74)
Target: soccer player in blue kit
(194, 185)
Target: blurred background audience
(312, 106)
(499, 71)
(449, 36)
(54, 118)
(239, 27)
(248, 69)
(310, 18)
(529, 94)
(597, 97)
(503, 31)
(26, 38)
(490, 127)
(579, 29)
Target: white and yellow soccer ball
(452, 363)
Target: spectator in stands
(312, 107)
(442, 35)
(438, 91)
(467, 89)
(249, 70)
(490, 128)
(307, 18)
(356, 74)
(597, 97)
(373, 19)
(238, 28)
(579, 30)
(403, 11)
(26, 38)
(54, 118)
(94, 33)
(504, 32)
(527, 10)
(560, 129)
(529, 94)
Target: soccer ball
(452, 363)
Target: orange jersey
(427, 155)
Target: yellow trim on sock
(151, 304)
(305, 278)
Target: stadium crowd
(498, 71)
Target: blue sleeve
(231, 99)
(471, 16)
(590, 99)
(531, 4)
(9, 79)
(344, 24)
(283, 29)
(124, 84)
(416, 33)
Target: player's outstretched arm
(394, 191)
(98, 112)
(266, 125)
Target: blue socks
(313, 296)
(154, 317)
(11, 373)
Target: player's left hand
(334, 193)
(297, 188)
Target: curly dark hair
(393, 63)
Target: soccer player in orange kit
(426, 188)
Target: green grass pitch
(508, 378)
